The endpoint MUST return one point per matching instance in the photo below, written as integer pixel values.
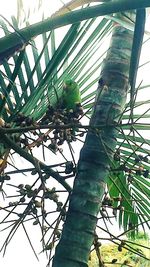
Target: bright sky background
(9, 7)
(19, 253)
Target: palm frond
(32, 80)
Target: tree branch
(9, 142)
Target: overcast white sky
(19, 253)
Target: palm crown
(31, 85)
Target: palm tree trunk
(96, 154)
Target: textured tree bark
(96, 154)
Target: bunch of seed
(60, 118)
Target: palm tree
(114, 150)
(97, 153)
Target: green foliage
(109, 252)
(31, 86)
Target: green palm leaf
(32, 80)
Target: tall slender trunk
(96, 154)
